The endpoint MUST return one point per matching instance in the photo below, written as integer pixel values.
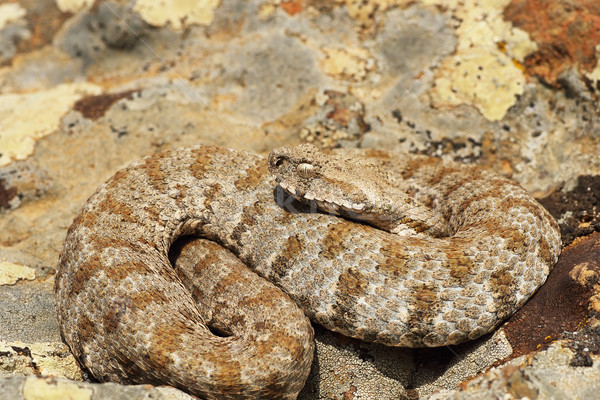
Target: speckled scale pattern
(128, 316)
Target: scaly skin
(475, 249)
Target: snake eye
(278, 161)
(305, 169)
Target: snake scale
(441, 253)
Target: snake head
(352, 186)
(338, 184)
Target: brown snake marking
(470, 248)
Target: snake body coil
(465, 249)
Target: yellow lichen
(45, 358)
(10, 12)
(177, 13)
(50, 389)
(25, 118)
(594, 75)
(489, 82)
(11, 273)
(484, 70)
(362, 10)
(73, 5)
(349, 62)
(266, 10)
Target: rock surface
(87, 87)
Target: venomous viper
(442, 254)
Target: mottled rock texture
(87, 88)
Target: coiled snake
(441, 254)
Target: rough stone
(82, 96)
(566, 34)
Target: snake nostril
(220, 332)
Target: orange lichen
(566, 32)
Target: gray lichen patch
(277, 72)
